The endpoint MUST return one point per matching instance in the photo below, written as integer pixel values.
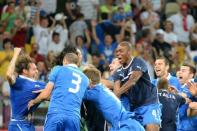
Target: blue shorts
(57, 122)
(128, 125)
(125, 102)
(20, 126)
(149, 114)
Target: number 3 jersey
(70, 85)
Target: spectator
(23, 11)
(49, 6)
(41, 32)
(163, 48)
(19, 33)
(89, 8)
(83, 47)
(78, 28)
(6, 103)
(56, 45)
(169, 36)
(50, 60)
(148, 17)
(42, 71)
(5, 57)
(183, 22)
(8, 16)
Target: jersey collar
(73, 65)
(27, 78)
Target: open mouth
(180, 77)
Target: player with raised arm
(108, 104)
(66, 86)
(21, 76)
(132, 79)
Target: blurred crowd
(42, 28)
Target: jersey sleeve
(139, 65)
(115, 76)
(91, 94)
(53, 74)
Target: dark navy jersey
(143, 92)
(21, 94)
(170, 104)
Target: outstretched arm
(44, 95)
(11, 77)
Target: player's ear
(25, 71)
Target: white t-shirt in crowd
(177, 21)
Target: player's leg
(53, 123)
(151, 116)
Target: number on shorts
(76, 82)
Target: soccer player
(108, 104)
(22, 83)
(161, 69)
(186, 74)
(170, 104)
(67, 85)
(132, 78)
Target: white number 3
(76, 82)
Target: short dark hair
(125, 43)
(145, 32)
(5, 41)
(104, 16)
(55, 34)
(166, 61)
(68, 49)
(23, 63)
(191, 68)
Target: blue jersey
(186, 123)
(69, 88)
(107, 103)
(173, 81)
(21, 94)
(143, 92)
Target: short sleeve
(115, 76)
(53, 74)
(139, 65)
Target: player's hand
(30, 104)
(193, 105)
(38, 91)
(192, 88)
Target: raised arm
(134, 77)
(44, 95)
(96, 39)
(11, 75)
